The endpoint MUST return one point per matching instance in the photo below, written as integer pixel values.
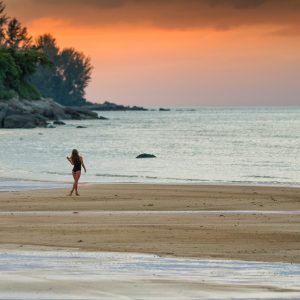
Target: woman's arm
(69, 159)
(81, 159)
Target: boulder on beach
(102, 118)
(146, 155)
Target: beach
(251, 223)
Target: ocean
(236, 145)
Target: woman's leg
(73, 188)
(77, 176)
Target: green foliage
(16, 35)
(65, 81)
(29, 70)
(28, 91)
(9, 75)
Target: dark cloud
(238, 4)
(176, 14)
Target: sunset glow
(214, 53)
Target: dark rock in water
(164, 109)
(108, 106)
(102, 118)
(81, 126)
(80, 113)
(146, 155)
(58, 122)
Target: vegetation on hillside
(31, 69)
(66, 79)
(19, 58)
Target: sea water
(250, 145)
(80, 275)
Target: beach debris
(146, 155)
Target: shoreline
(115, 275)
(53, 185)
(23, 249)
(166, 220)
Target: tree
(9, 75)
(75, 70)
(3, 22)
(65, 81)
(28, 61)
(16, 35)
(19, 59)
(30, 70)
(47, 78)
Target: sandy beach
(168, 220)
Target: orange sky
(183, 53)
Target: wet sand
(49, 274)
(251, 236)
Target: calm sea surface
(205, 145)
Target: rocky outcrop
(17, 113)
(146, 155)
(59, 122)
(108, 106)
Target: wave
(117, 175)
(266, 177)
(56, 173)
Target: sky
(178, 52)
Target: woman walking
(77, 161)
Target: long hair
(75, 156)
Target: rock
(146, 155)
(108, 106)
(86, 113)
(80, 113)
(81, 126)
(58, 122)
(164, 109)
(102, 118)
(23, 121)
(3, 113)
(20, 113)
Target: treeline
(31, 69)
